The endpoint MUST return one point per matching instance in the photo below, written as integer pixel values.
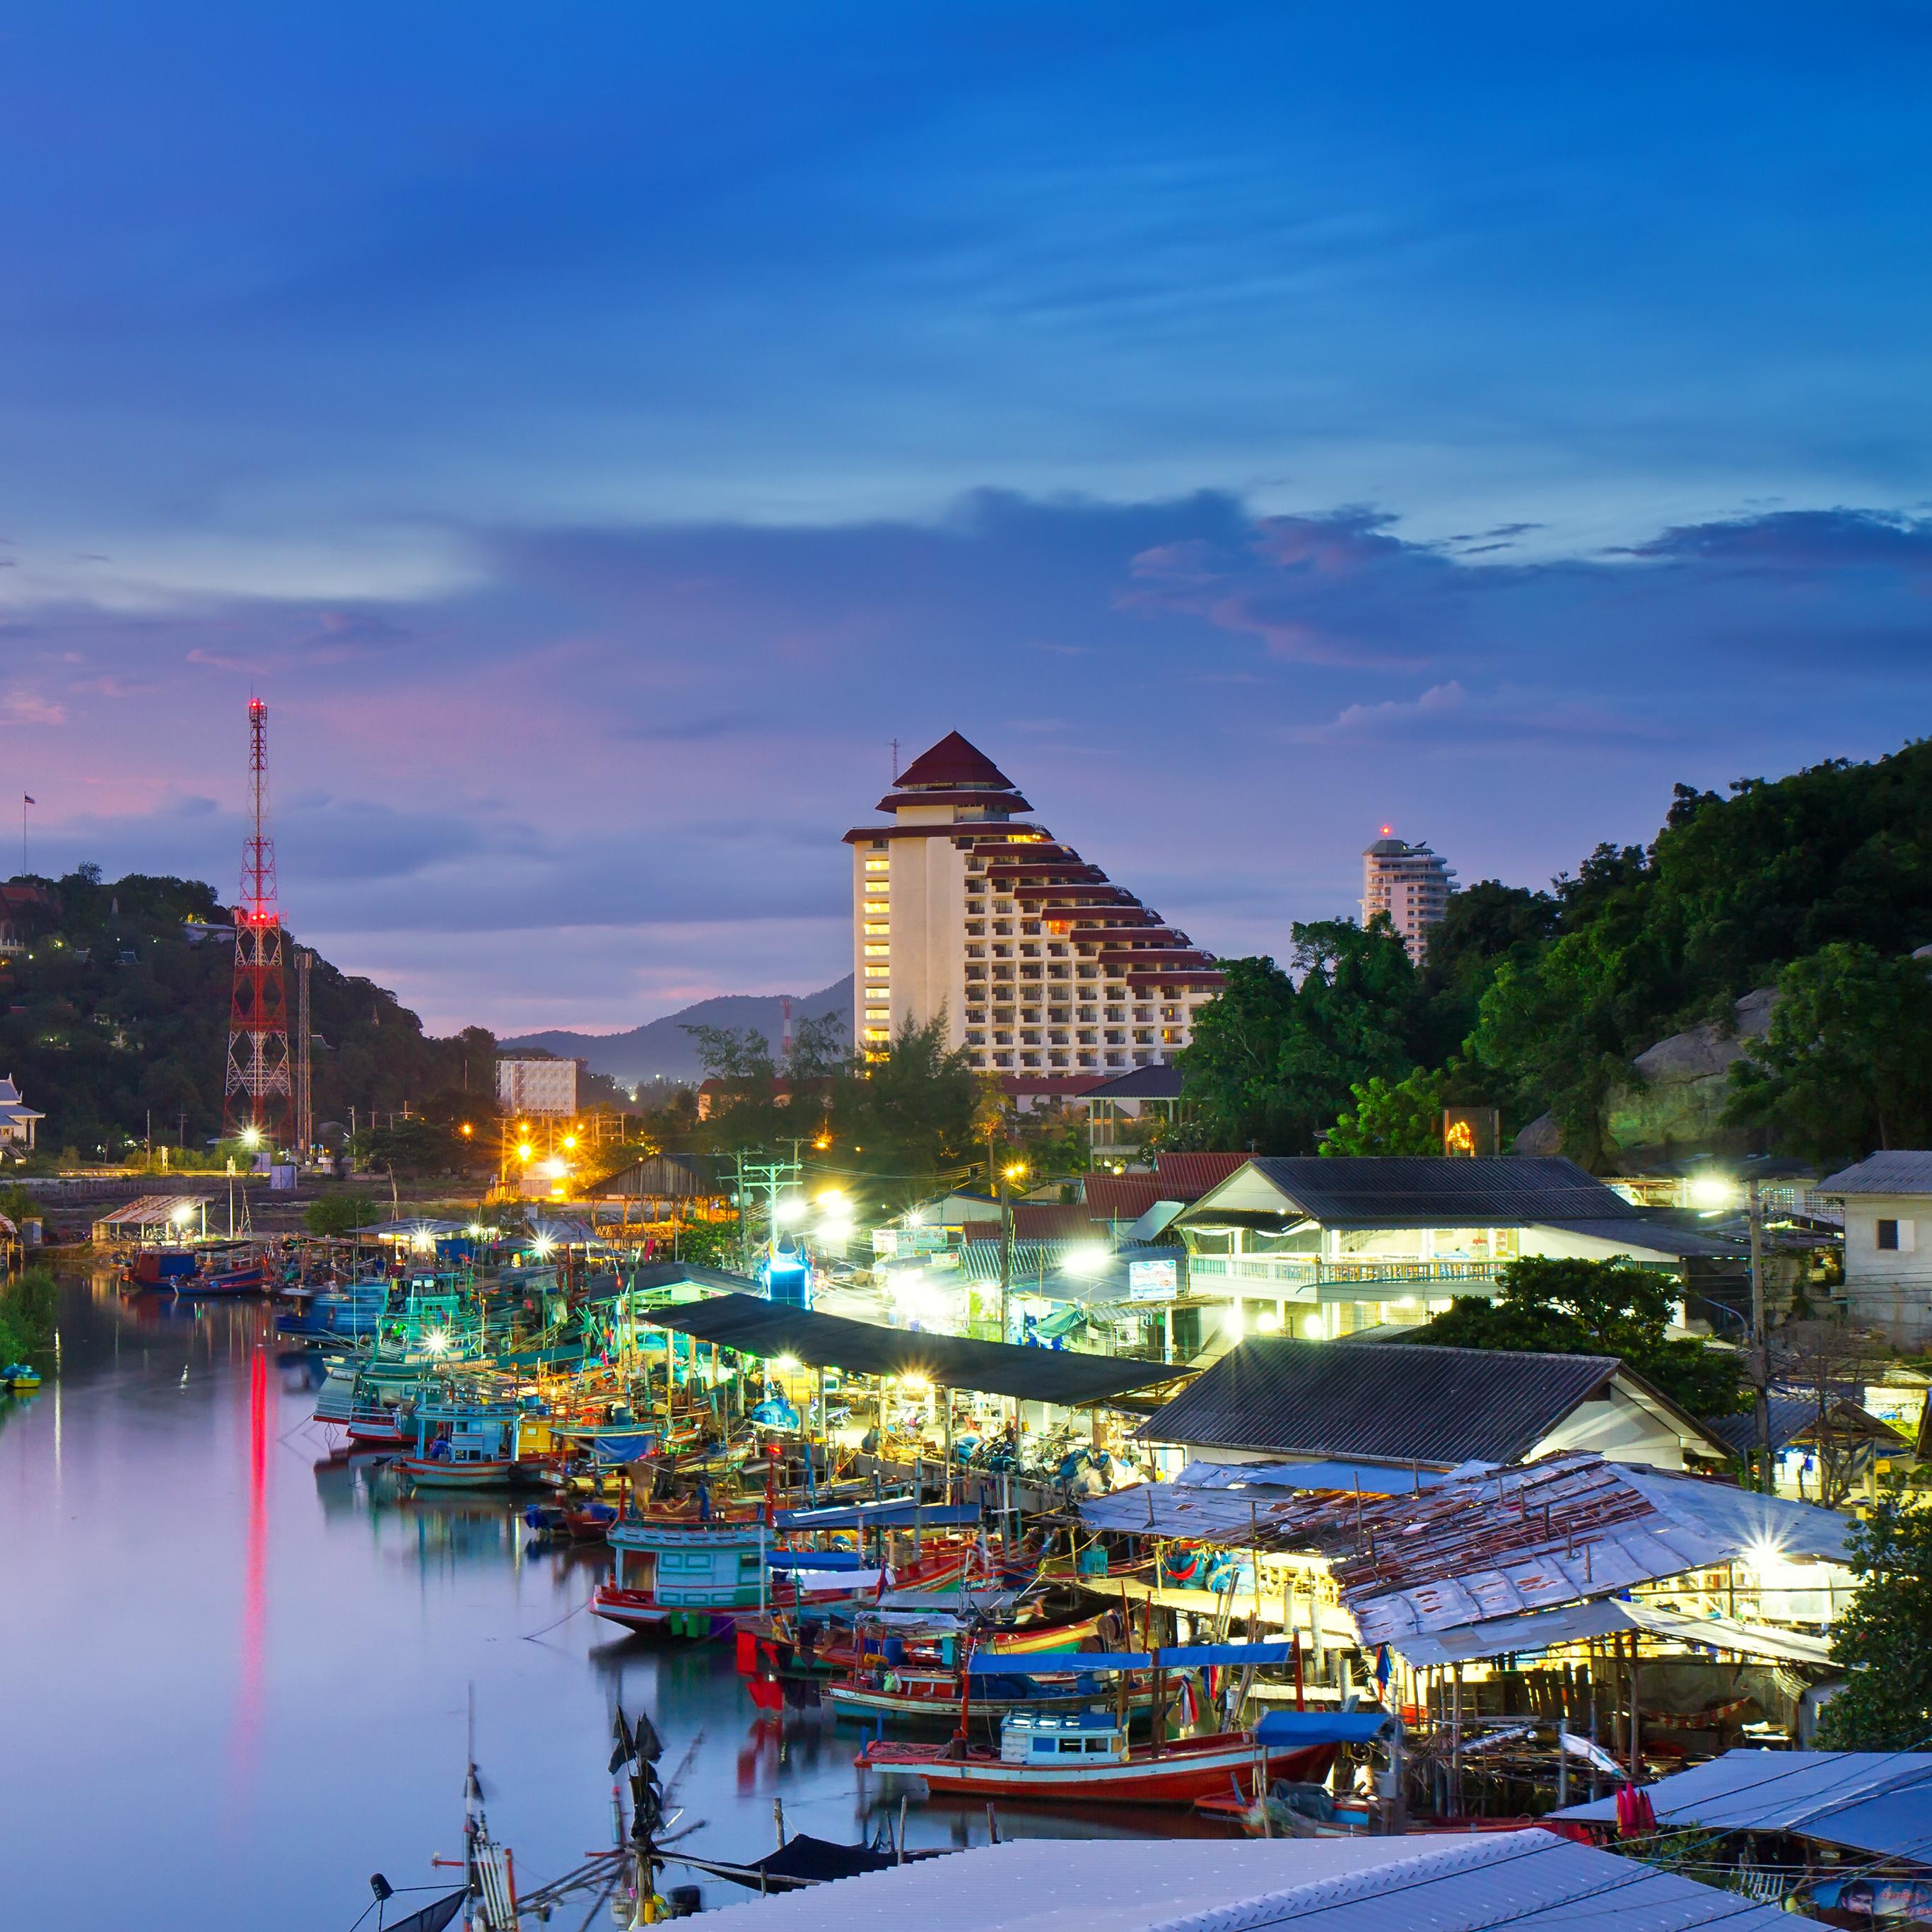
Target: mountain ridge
(660, 1050)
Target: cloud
(27, 707)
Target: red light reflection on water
(254, 1569)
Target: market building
(965, 908)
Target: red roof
(1007, 801)
(1186, 1176)
(1036, 1221)
(953, 761)
(1123, 1197)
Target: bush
(341, 1213)
(27, 1307)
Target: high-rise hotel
(1041, 966)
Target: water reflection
(278, 1644)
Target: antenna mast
(258, 1091)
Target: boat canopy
(1184, 1657)
(891, 1513)
(745, 1321)
(1302, 1729)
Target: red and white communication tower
(259, 1091)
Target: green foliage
(1404, 1118)
(1563, 1307)
(342, 1213)
(117, 1024)
(410, 1145)
(1275, 1056)
(1883, 1636)
(710, 1243)
(28, 1303)
(1846, 1065)
(911, 1112)
(1733, 891)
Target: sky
(598, 432)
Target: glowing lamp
(555, 1168)
(833, 1197)
(570, 1143)
(524, 1151)
(795, 1208)
(1311, 1326)
(1089, 1260)
(251, 1137)
(1713, 1191)
(436, 1341)
(1014, 1169)
(786, 1365)
(466, 1130)
(835, 1230)
(544, 1245)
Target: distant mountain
(661, 1050)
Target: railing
(1310, 1271)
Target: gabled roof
(1411, 1403)
(1186, 1176)
(954, 761)
(1144, 1083)
(1426, 1191)
(1903, 1171)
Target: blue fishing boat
(476, 1445)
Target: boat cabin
(1041, 1737)
(468, 1433)
(688, 1568)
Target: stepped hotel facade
(964, 906)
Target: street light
(251, 1137)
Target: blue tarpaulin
(624, 1448)
(1322, 1727)
(817, 1559)
(1185, 1656)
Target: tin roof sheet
(1875, 1801)
(1439, 1191)
(1532, 1880)
(1903, 1171)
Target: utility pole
(744, 1217)
(304, 1089)
(1760, 1344)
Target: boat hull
(425, 1472)
(847, 1701)
(1182, 1773)
(636, 1611)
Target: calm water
(236, 1667)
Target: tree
(819, 1048)
(28, 1304)
(1231, 1071)
(341, 1213)
(1846, 1064)
(1883, 1636)
(408, 1145)
(911, 1112)
(1568, 1307)
(1404, 1118)
(739, 1059)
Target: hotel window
(1170, 1036)
(877, 973)
(878, 908)
(878, 932)
(1030, 925)
(1003, 905)
(1084, 1059)
(878, 864)
(878, 952)
(1117, 1060)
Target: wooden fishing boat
(932, 1696)
(472, 1445)
(156, 1268)
(687, 1578)
(226, 1267)
(1084, 1757)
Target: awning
(1183, 1657)
(763, 1328)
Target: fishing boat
(473, 1445)
(932, 1696)
(1085, 1757)
(157, 1268)
(688, 1579)
(372, 1402)
(225, 1267)
(21, 1377)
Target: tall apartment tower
(1409, 883)
(961, 905)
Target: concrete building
(526, 1085)
(1409, 883)
(1887, 1203)
(963, 906)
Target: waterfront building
(1409, 883)
(1887, 1200)
(1325, 1248)
(1043, 969)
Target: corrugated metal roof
(1144, 1083)
(1188, 1176)
(1642, 1235)
(1875, 1801)
(1412, 1403)
(1435, 1191)
(1371, 1478)
(1903, 1170)
(1501, 1636)
(1531, 1879)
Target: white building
(1887, 1208)
(18, 1121)
(527, 1086)
(1409, 883)
(1042, 968)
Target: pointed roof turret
(954, 763)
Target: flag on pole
(25, 800)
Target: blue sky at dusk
(598, 432)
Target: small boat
(226, 1267)
(932, 1696)
(1085, 1757)
(690, 1579)
(472, 1445)
(21, 1378)
(157, 1268)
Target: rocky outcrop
(1687, 1079)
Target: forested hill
(118, 1009)
(1818, 885)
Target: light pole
(1760, 1347)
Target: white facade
(18, 1121)
(1409, 883)
(536, 1087)
(1042, 966)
